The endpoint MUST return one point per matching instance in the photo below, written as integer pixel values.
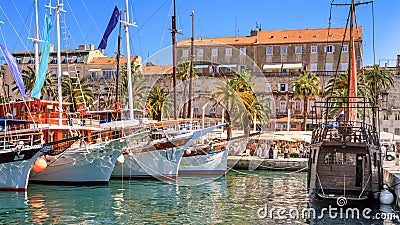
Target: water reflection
(234, 199)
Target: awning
(227, 66)
(201, 66)
(94, 70)
(276, 66)
(292, 66)
(273, 66)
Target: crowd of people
(274, 150)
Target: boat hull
(161, 164)
(91, 165)
(14, 173)
(210, 164)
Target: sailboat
(88, 161)
(345, 162)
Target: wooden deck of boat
(255, 163)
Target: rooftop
(314, 35)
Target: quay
(391, 177)
(255, 163)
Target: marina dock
(255, 163)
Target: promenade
(255, 163)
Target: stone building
(274, 59)
(90, 64)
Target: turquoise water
(234, 199)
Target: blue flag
(110, 27)
(44, 60)
(15, 71)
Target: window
(314, 67)
(282, 106)
(397, 131)
(200, 52)
(385, 116)
(242, 51)
(109, 73)
(385, 129)
(268, 87)
(53, 74)
(185, 52)
(195, 109)
(242, 68)
(345, 48)
(340, 158)
(283, 50)
(297, 105)
(397, 116)
(32, 60)
(329, 67)
(214, 52)
(269, 50)
(314, 49)
(79, 59)
(268, 104)
(282, 87)
(298, 50)
(55, 60)
(293, 126)
(330, 48)
(311, 105)
(344, 66)
(228, 52)
(18, 60)
(78, 73)
(213, 109)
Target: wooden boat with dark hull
(345, 160)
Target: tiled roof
(281, 37)
(109, 60)
(156, 69)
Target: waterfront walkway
(253, 163)
(391, 177)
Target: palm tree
(374, 81)
(306, 86)
(139, 90)
(76, 92)
(157, 98)
(238, 99)
(183, 74)
(29, 77)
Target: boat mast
(128, 60)
(36, 39)
(191, 70)
(173, 31)
(352, 79)
(59, 8)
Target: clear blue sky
(212, 19)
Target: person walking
(286, 152)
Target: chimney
(398, 64)
(82, 47)
(91, 46)
(253, 32)
(51, 48)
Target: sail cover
(110, 27)
(44, 60)
(15, 71)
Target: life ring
(36, 105)
(117, 107)
(81, 108)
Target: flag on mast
(15, 71)
(110, 27)
(44, 60)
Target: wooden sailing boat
(345, 159)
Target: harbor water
(242, 197)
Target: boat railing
(19, 140)
(356, 132)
